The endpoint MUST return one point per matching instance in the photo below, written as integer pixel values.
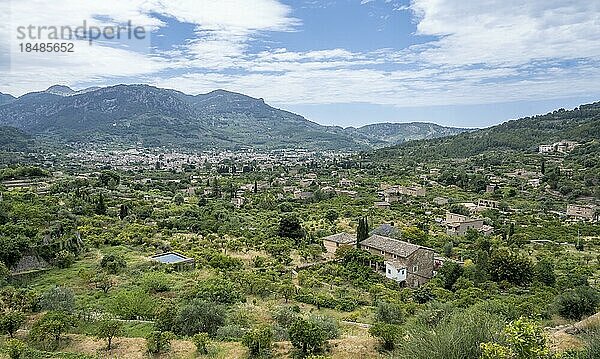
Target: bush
(64, 259)
(219, 290)
(307, 337)
(11, 321)
(390, 313)
(522, 339)
(544, 272)
(328, 325)
(15, 349)
(50, 328)
(577, 303)
(495, 351)
(113, 263)
(159, 342)
(449, 274)
(58, 299)
(526, 339)
(230, 333)
(388, 334)
(285, 316)
(259, 341)
(199, 317)
(511, 266)
(201, 341)
(155, 283)
(457, 336)
(133, 305)
(165, 318)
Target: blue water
(169, 258)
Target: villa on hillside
(458, 225)
(484, 204)
(589, 213)
(393, 193)
(560, 147)
(406, 263)
(333, 242)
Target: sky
(337, 62)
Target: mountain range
(151, 116)
(581, 124)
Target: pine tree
(123, 211)
(100, 205)
(362, 231)
(543, 169)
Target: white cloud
(508, 31)
(223, 29)
(483, 52)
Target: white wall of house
(397, 274)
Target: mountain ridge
(155, 116)
(526, 134)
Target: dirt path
(564, 337)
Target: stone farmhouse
(335, 241)
(406, 263)
(586, 212)
(458, 225)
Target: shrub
(219, 290)
(155, 283)
(307, 337)
(201, 341)
(133, 305)
(50, 328)
(327, 324)
(457, 336)
(449, 273)
(58, 299)
(544, 272)
(15, 349)
(522, 339)
(388, 334)
(259, 341)
(103, 282)
(495, 351)
(159, 342)
(113, 263)
(64, 259)
(390, 313)
(285, 316)
(11, 321)
(511, 266)
(230, 333)
(526, 339)
(577, 303)
(199, 317)
(165, 318)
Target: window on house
(395, 256)
(389, 271)
(415, 268)
(382, 252)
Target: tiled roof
(341, 238)
(391, 245)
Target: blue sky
(337, 62)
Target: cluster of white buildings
(558, 147)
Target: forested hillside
(581, 124)
(13, 140)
